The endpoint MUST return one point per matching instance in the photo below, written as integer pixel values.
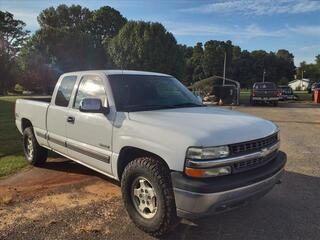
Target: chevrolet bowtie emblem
(265, 151)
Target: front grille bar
(251, 146)
(264, 152)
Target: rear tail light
(253, 94)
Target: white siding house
(301, 84)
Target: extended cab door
(89, 135)
(58, 112)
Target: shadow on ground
(65, 165)
(290, 211)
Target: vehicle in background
(286, 93)
(315, 86)
(312, 86)
(174, 156)
(264, 92)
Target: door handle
(71, 120)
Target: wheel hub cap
(144, 197)
(29, 148)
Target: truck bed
(35, 110)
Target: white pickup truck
(174, 156)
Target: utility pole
(264, 73)
(301, 79)
(224, 68)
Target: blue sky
(251, 24)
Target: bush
(18, 88)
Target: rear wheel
(275, 103)
(148, 196)
(34, 153)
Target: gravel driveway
(64, 200)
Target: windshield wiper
(159, 106)
(145, 107)
(187, 104)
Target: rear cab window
(264, 86)
(65, 91)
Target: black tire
(275, 103)
(39, 154)
(158, 174)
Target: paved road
(64, 200)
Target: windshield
(148, 92)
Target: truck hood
(206, 126)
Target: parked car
(286, 93)
(174, 156)
(315, 86)
(264, 92)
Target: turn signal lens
(192, 172)
(211, 172)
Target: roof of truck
(116, 72)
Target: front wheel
(148, 196)
(34, 153)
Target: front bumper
(200, 197)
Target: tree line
(72, 38)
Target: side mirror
(91, 105)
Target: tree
(311, 71)
(286, 67)
(146, 46)
(74, 36)
(197, 63)
(64, 17)
(69, 39)
(12, 38)
(318, 59)
(105, 23)
(187, 64)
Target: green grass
(11, 153)
(302, 96)
(11, 164)
(244, 97)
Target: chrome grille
(251, 146)
(253, 163)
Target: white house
(301, 84)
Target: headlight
(207, 153)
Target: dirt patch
(63, 208)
